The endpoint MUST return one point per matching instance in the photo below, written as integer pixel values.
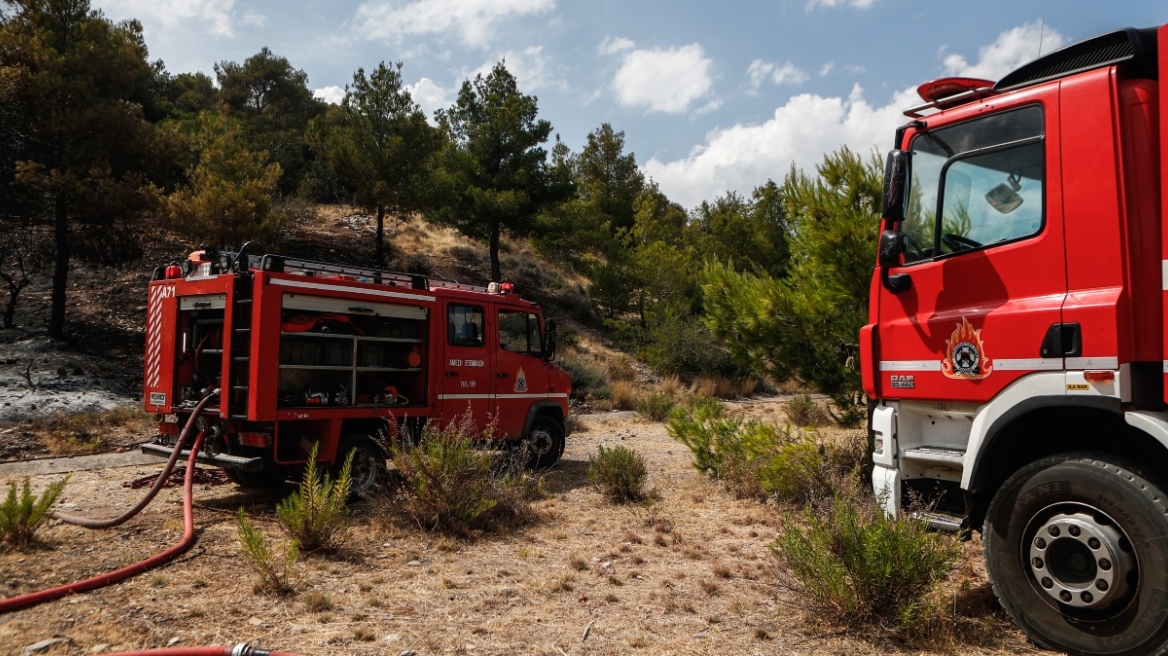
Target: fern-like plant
(21, 516)
(618, 473)
(275, 570)
(316, 514)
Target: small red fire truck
(1016, 348)
(306, 353)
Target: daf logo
(903, 382)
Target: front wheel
(544, 442)
(1076, 548)
(368, 471)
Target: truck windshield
(975, 183)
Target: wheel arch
(549, 408)
(1046, 426)
(375, 428)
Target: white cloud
(663, 80)
(787, 73)
(612, 45)
(473, 20)
(529, 67)
(826, 68)
(429, 96)
(332, 95)
(253, 18)
(1010, 50)
(801, 131)
(858, 4)
(216, 14)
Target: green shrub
(855, 564)
(316, 515)
(655, 406)
(451, 485)
(618, 473)
(21, 517)
(804, 411)
(275, 570)
(585, 379)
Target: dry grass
(521, 592)
(65, 434)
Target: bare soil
(691, 573)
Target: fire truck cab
(1016, 345)
(306, 353)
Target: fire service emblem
(965, 357)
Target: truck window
(464, 325)
(967, 180)
(513, 331)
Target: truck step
(222, 459)
(939, 521)
(935, 454)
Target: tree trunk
(380, 236)
(60, 267)
(14, 288)
(496, 272)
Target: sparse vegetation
(853, 563)
(803, 411)
(85, 432)
(619, 474)
(452, 485)
(21, 516)
(316, 515)
(655, 405)
(275, 570)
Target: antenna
(1041, 33)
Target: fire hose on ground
(188, 539)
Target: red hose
(158, 485)
(34, 598)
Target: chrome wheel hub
(539, 442)
(1079, 561)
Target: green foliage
(752, 233)
(586, 379)
(804, 411)
(229, 196)
(316, 514)
(379, 143)
(618, 473)
(857, 564)
(494, 173)
(21, 517)
(453, 486)
(655, 405)
(804, 327)
(275, 570)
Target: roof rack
(950, 101)
(282, 263)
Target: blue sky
(711, 96)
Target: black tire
(264, 478)
(369, 472)
(1107, 497)
(544, 442)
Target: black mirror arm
(895, 284)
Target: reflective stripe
(1164, 275)
(1028, 364)
(1093, 363)
(459, 397)
(910, 365)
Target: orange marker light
(1099, 376)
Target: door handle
(502, 374)
(1063, 340)
(451, 373)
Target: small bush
(857, 565)
(85, 432)
(275, 570)
(586, 379)
(804, 411)
(625, 395)
(618, 473)
(317, 602)
(21, 517)
(453, 486)
(316, 515)
(655, 406)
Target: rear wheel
(368, 470)
(1076, 550)
(264, 478)
(544, 442)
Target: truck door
(521, 373)
(984, 257)
(465, 382)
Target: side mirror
(895, 186)
(891, 245)
(549, 340)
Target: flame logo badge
(965, 357)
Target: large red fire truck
(306, 353)
(1016, 347)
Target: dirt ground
(592, 578)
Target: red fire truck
(1016, 346)
(306, 353)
